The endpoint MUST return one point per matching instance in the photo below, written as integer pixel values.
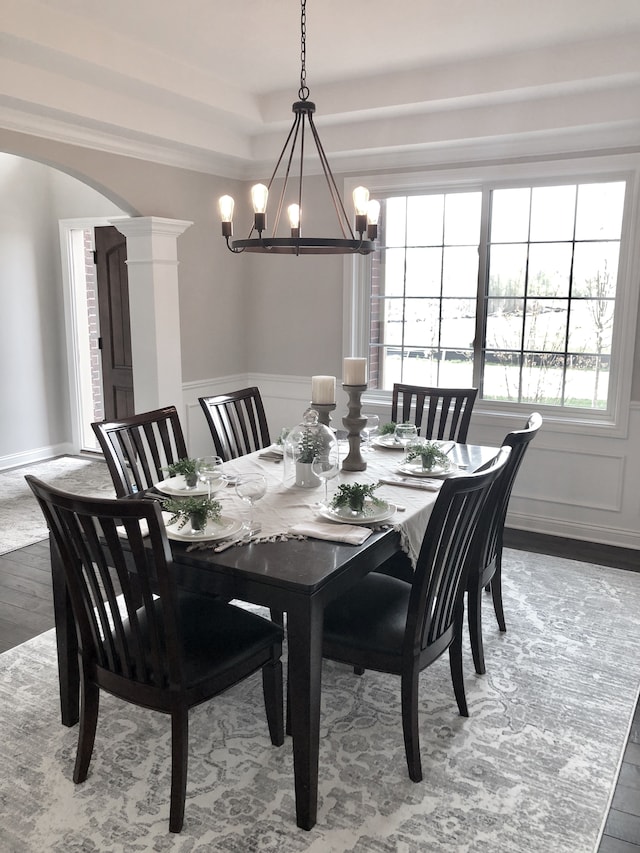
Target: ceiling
(209, 84)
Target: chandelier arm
(341, 213)
(236, 251)
(295, 127)
(284, 148)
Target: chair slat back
(121, 594)
(440, 577)
(488, 540)
(138, 449)
(237, 422)
(439, 413)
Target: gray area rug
(532, 769)
(21, 520)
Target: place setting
(192, 499)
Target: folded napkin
(426, 485)
(274, 451)
(349, 533)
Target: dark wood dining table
(297, 576)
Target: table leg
(304, 637)
(67, 642)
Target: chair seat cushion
(370, 617)
(216, 636)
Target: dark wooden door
(115, 328)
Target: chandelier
(366, 211)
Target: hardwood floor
(26, 610)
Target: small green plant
(310, 446)
(355, 495)
(387, 429)
(188, 468)
(429, 453)
(197, 510)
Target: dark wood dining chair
(387, 624)
(237, 422)
(138, 449)
(170, 653)
(439, 413)
(485, 555)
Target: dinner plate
(177, 487)
(416, 470)
(371, 514)
(387, 441)
(221, 529)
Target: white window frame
(357, 272)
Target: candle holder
(324, 412)
(354, 423)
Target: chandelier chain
(303, 92)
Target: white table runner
(285, 505)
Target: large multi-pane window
(512, 289)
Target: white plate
(371, 514)
(388, 442)
(221, 529)
(176, 486)
(416, 470)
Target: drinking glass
(405, 434)
(251, 487)
(326, 466)
(371, 428)
(210, 471)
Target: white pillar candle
(355, 371)
(323, 389)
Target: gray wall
(33, 380)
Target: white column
(152, 264)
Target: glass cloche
(303, 443)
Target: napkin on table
(424, 485)
(349, 533)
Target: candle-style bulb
(259, 198)
(225, 206)
(294, 215)
(373, 215)
(361, 200)
(373, 212)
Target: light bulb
(294, 215)
(361, 200)
(225, 206)
(259, 197)
(373, 212)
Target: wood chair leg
(89, 705)
(272, 688)
(474, 614)
(457, 673)
(409, 695)
(288, 708)
(358, 670)
(277, 616)
(496, 593)
(179, 762)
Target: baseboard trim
(17, 460)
